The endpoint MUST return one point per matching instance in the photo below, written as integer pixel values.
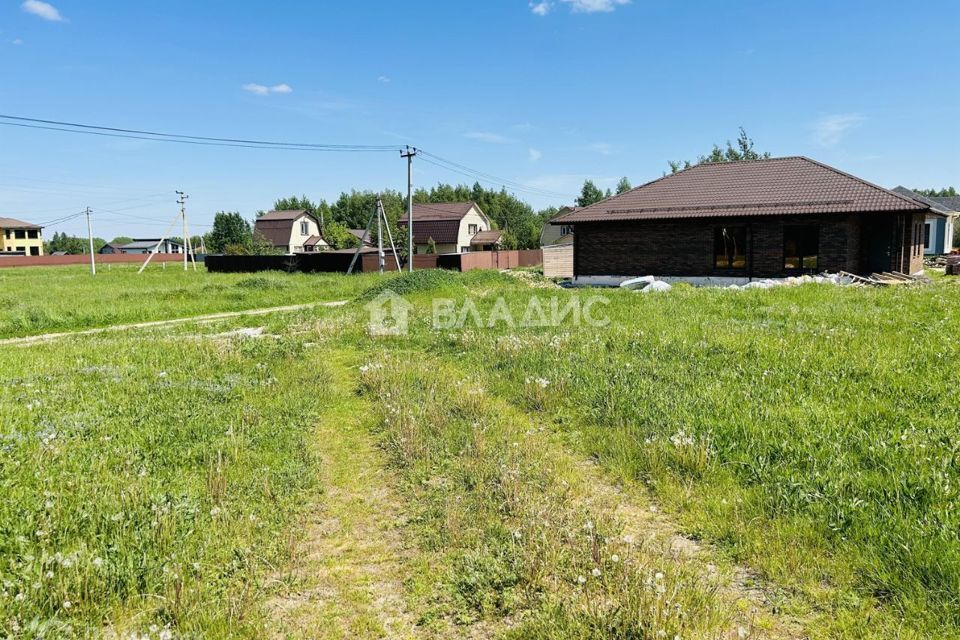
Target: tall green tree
(74, 245)
(946, 192)
(624, 185)
(337, 235)
(589, 194)
(744, 150)
(229, 230)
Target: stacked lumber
(884, 279)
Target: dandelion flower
(615, 558)
(658, 575)
(581, 580)
(67, 604)
(595, 572)
(97, 562)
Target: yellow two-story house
(17, 236)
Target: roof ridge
(862, 181)
(676, 173)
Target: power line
(488, 178)
(57, 221)
(140, 134)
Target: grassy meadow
(51, 299)
(157, 481)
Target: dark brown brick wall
(685, 247)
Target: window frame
(807, 230)
(304, 227)
(745, 229)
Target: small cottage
(447, 227)
(294, 231)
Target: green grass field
(51, 299)
(160, 478)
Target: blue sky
(542, 93)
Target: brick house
(735, 221)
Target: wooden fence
(558, 261)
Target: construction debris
(648, 284)
(885, 279)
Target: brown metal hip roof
(776, 186)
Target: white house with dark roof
(152, 245)
(452, 226)
(293, 231)
(939, 223)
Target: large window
(472, 229)
(801, 246)
(926, 235)
(304, 228)
(730, 247)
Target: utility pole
(93, 262)
(379, 238)
(409, 154)
(182, 201)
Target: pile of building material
(649, 284)
(885, 279)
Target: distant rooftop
(13, 223)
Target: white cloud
(262, 90)
(42, 9)
(258, 89)
(829, 130)
(486, 136)
(603, 148)
(534, 154)
(594, 6)
(540, 8)
(383, 79)
(16, 42)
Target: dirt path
(745, 594)
(346, 580)
(44, 337)
(741, 587)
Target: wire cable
(140, 134)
